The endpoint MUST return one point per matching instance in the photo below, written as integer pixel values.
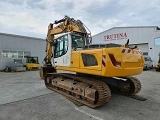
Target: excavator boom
(66, 24)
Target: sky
(32, 17)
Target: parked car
(148, 62)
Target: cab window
(61, 47)
(77, 41)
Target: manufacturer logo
(118, 36)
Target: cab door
(62, 51)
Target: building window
(15, 54)
(145, 53)
(20, 54)
(27, 53)
(5, 53)
(157, 41)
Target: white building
(147, 38)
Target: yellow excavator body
(108, 62)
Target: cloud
(132, 14)
(16, 2)
(31, 18)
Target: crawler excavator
(85, 74)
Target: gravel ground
(23, 96)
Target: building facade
(147, 38)
(17, 47)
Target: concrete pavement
(23, 96)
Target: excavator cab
(65, 44)
(63, 47)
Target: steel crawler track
(137, 85)
(133, 89)
(103, 96)
(123, 85)
(103, 91)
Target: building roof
(7, 34)
(158, 28)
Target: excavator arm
(64, 25)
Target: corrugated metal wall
(136, 35)
(13, 42)
(143, 47)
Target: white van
(148, 62)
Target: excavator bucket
(46, 69)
